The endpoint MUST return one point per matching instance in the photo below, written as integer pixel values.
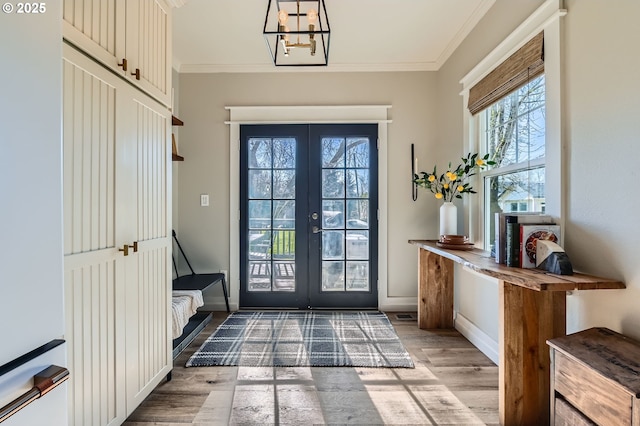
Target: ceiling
(366, 35)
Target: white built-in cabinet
(117, 239)
(131, 34)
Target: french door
(308, 216)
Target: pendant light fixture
(297, 32)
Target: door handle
(316, 230)
(125, 248)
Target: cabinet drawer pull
(125, 249)
(123, 64)
(137, 73)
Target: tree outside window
(513, 133)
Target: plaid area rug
(297, 339)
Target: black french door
(308, 216)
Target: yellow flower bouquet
(453, 183)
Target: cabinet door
(136, 30)
(98, 28)
(148, 319)
(93, 265)
(116, 193)
(148, 46)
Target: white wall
(31, 263)
(204, 143)
(602, 90)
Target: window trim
(547, 19)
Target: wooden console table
(532, 309)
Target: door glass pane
(332, 152)
(345, 212)
(357, 245)
(284, 153)
(259, 184)
(260, 153)
(272, 211)
(332, 183)
(357, 276)
(260, 244)
(284, 184)
(333, 214)
(358, 152)
(333, 245)
(332, 276)
(259, 214)
(357, 183)
(358, 214)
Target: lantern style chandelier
(297, 32)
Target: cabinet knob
(123, 64)
(137, 73)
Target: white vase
(448, 219)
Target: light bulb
(283, 16)
(312, 16)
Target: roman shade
(525, 64)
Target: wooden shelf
(175, 121)
(535, 279)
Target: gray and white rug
(305, 338)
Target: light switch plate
(204, 200)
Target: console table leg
(527, 319)
(435, 291)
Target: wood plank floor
(453, 384)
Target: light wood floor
(453, 384)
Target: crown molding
(270, 68)
(468, 26)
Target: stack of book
(517, 234)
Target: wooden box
(595, 379)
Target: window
(533, 50)
(512, 132)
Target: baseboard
(479, 338)
(398, 304)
